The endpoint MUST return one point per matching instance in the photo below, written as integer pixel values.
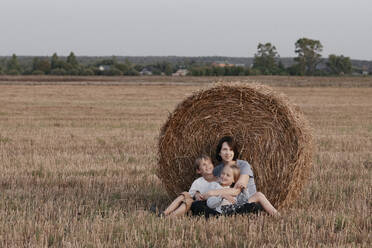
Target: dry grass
(278, 81)
(78, 162)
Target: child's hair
(232, 144)
(236, 172)
(200, 158)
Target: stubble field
(78, 162)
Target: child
(203, 184)
(222, 204)
(229, 175)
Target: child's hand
(230, 198)
(205, 196)
(198, 196)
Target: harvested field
(78, 168)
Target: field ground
(77, 168)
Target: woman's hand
(239, 185)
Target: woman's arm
(217, 192)
(242, 182)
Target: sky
(183, 27)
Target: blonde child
(229, 175)
(223, 203)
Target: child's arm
(217, 192)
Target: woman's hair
(231, 142)
(200, 158)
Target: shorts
(200, 208)
(247, 208)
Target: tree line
(266, 62)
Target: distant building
(365, 70)
(145, 72)
(221, 64)
(104, 67)
(180, 72)
(240, 65)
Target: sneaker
(152, 209)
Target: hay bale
(271, 133)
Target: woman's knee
(259, 194)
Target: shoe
(152, 209)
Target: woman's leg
(174, 205)
(261, 198)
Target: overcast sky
(183, 27)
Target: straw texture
(271, 133)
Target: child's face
(205, 167)
(226, 153)
(227, 176)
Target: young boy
(203, 184)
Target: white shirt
(202, 186)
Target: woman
(227, 153)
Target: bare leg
(174, 205)
(261, 198)
(181, 210)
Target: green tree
(42, 65)
(339, 65)
(71, 59)
(54, 61)
(58, 71)
(265, 59)
(308, 55)
(168, 69)
(13, 66)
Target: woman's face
(227, 176)
(226, 153)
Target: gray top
(245, 169)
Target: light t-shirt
(201, 185)
(216, 202)
(245, 169)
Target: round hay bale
(271, 133)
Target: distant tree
(13, 67)
(54, 61)
(265, 59)
(37, 72)
(124, 68)
(308, 55)
(86, 72)
(139, 67)
(294, 70)
(281, 69)
(339, 65)
(168, 69)
(113, 72)
(1, 70)
(58, 71)
(71, 59)
(42, 65)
